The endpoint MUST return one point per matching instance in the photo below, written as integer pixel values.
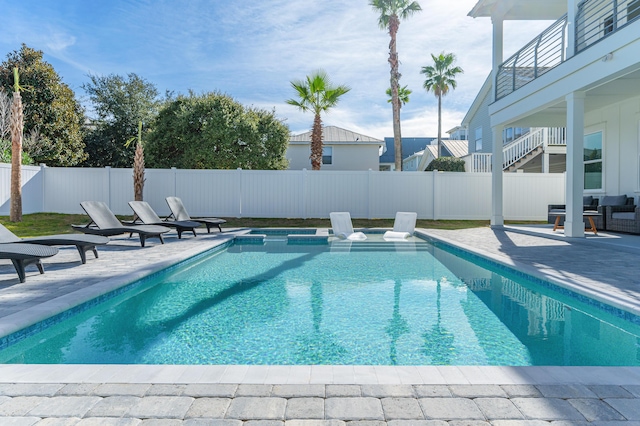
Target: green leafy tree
(403, 95)
(50, 108)
(119, 104)
(391, 13)
(213, 131)
(440, 78)
(446, 164)
(316, 94)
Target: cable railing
(595, 20)
(539, 56)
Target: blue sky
(251, 50)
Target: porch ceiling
(520, 9)
(624, 87)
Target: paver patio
(319, 395)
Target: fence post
(435, 194)
(304, 194)
(44, 175)
(175, 181)
(239, 169)
(369, 197)
(108, 170)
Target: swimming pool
(372, 303)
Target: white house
(342, 150)
(530, 150)
(583, 74)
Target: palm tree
(17, 126)
(440, 78)
(316, 94)
(403, 95)
(391, 13)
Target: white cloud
(252, 50)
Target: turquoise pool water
(361, 303)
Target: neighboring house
(583, 74)
(530, 150)
(410, 146)
(450, 148)
(342, 150)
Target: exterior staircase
(519, 152)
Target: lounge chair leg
(19, 265)
(40, 266)
(83, 254)
(161, 239)
(142, 239)
(95, 251)
(179, 233)
(219, 228)
(194, 232)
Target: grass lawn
(36, 224)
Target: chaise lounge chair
(343, 228)
(83, 243)
(179, 213)
(105, 223)
(145, 214)
(22, 255)
(403, 226)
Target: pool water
(360, 303)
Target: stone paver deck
(126, 395)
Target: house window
(633, 10)
(608, 25)
(327, 155)
(479, 139)
(593, 161)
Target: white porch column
(497, 218)
(574, 224)
(497, 50)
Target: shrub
(446, 164)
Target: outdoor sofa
(623, 218)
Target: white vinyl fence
(289, 193)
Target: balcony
(595, 20)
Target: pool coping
(278, 374)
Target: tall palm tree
(317, 94)
(391, 13)
(440, 79)
(403, 95)
(17, 126)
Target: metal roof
(333, 135)
(409, 147)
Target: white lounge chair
(403, 226)
(342, 227)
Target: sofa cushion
(613, 200)
(624, 215)
(587, 200)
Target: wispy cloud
(252, 50)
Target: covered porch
(582, 73)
